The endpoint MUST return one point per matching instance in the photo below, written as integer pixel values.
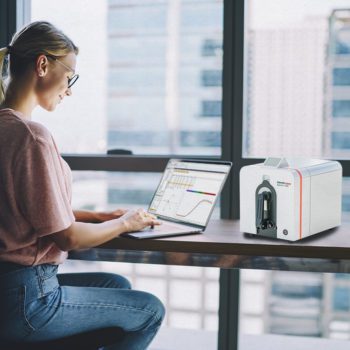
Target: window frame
(12, 16)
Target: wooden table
(223, 245)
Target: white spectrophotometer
(290, 199)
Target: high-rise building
(284, 106)
(337, 88)
(165, 68)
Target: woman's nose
(69, 92)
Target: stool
(92, 340)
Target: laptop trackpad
(162, 231)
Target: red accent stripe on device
(301, 203)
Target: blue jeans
(38, 304)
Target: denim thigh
(82, 309)
(20, 290)
(38, 308)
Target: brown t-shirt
(35, 192)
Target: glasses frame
(74, 78)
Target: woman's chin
(49, 108)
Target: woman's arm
(86, 235)
(97, 217)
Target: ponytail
(3, 52)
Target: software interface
(188, 191)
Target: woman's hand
(135, 220)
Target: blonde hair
(3, 53)
(35, 39)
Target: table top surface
(224, 237)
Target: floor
(184, 339)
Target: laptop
(185, 197)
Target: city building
(284, 90)
(165, 76)
(337, 87)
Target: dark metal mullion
(134, 163)
(228, 334)
(227, 110)
(346, 167)
(8, 21)
(237, 63)
(231, 150)
(138, 163)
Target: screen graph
(188, 193)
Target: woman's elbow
(65, 239)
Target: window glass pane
(211, 78)
(341, 76)
(341, 108)
(297, 78)
(146, 68)
(341, 140)
(211, 108)
(341, 299)
(211, 47)
(109, 190)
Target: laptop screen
(188, 190)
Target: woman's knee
(156, 306)
(118, 281)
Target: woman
(37, 223)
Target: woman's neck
(19, 98)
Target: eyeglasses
(74, 78)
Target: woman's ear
(41, 65)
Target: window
(296, 103)
(346, 203)
(341, 77)
(201, 138)
(140, 76)
(211, 78)
(341, 108)
(211, 47)
(211, 108)
(341, 140)
(295, 67)
(341, 299)
(342, 34)
(151, 82)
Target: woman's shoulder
(23, 129)
(38, 131)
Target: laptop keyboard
(167, 227)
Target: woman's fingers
(139, 219)
(148, 219)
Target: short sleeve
(40, 188)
